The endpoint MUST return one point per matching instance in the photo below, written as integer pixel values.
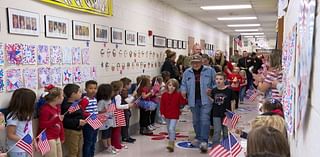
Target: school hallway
(146, 146)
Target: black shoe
(134, 140)
(128, 140)
(146, 131)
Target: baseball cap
(196, 58)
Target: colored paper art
(43, 55)
(86, 73)
(67, 75)
(14, 80)
(44, 76)
(1, 54)
(29, 54)
(77, 74)
(76, 55)
(55, 54)
(93, 73)
(14, 54)
(67, 56)
(85, 55)
(1, 80)
(56, 76)
(30, 78)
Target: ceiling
(264, 10)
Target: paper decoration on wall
(14, 55)
(67, 56)
(1, 54)
(55, 55)
(77, 74)
(44, 76)
(67, 75)
(93, 73)
(86, 73)
(76, 55)
(56, 76)
(14, 80)
(43, 55)
(1, 80)
(29, 54)
(30, 78)
(85, 55)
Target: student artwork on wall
(86, 73)
(159, 41)
(23, 22)
(44, 76)
(14, 54)
(80, 30)
(14, 80)
(55, 54)
(141, 39)
(77, 74)
(55, 76)
(29, 54)
(56, 27)
(101, 33)
(67, 55)
(76, 55)
(169, 43)
(175, 44)
(116, 35)
(43, 55)
(130, 37)
(179, 44)
(67, 75)
(85, 55)
(30, 78)
(93, 73)
(1, 54)
(1, 80)
(184, 45)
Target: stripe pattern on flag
(26, 144)
(94, 121)
(231, 119)
(43, 143)
(227, 146)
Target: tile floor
(146, 147)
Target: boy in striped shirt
(89, 106)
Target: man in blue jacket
(196, 82)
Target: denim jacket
(207, 80)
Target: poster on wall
(101, 33)
(56, 27)
(116, 35)
(80, 30)
(141, 39)
(169, 43)
(304, 57)
(159, 41)
(130, 37)
(23, 22)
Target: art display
(56, 76)
(56, 27)
(116, 35)
(1, 80)
(76, 55)
(43, 76)
(86, 73)
(30, 78)
(29, 54)
(101, 33)
(130, 37)
(141, 39)
(80, 30)
(14, 79)
(67, 75)
(55, 55)
(23, 22)
(159, 41)
(85, 55)
(43, 55)
(93, 73)
(1, 54)
(77, 75)
(169, 43)
(67, 55)
(14, 54)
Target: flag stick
(229, 143)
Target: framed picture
(159, 41)
(56, 27)
(23, 22)
(179, 44)
(130, 37)
(116, 35)
(175, 44)
(142, 39)
(101, 33)
(169, 43)
(184, 44)
(80, 30)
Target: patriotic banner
(231, 119)
(229, 147)
(43, 143)
(26, 144)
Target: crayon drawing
(29, 54)
(67, 75)
(67, 56)
(55, 55)
(1, 54)
(14, 54)
(77, 74)
(30, 78)
(56, 76)
(1, 80)
(14, 80)
(76, 55)
(85, 55)
(44, 76)
(43, 55)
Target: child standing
(72, 122)
(243, 85)
(158, 90)
(223, 100)
(89, 105)
(50, 120)
(19, 119)
(171, 101)
(104, 95)
(235, 81)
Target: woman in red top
(50, 121)
(171, 101)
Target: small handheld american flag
(252, 94)
(74, 107)
(228, 147)
(26, 144)
(94, 121)
(231, 119)
(43, 143)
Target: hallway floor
(145, 146)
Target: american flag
(111, 108)
(137, 100)
(74, 107)
(252, 94)
(228, 147)
(43, 143)
(156, 87)
(94, 121)
(238, 41)
(231, 119)
(26, 144)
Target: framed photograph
(116, 35)
(175, 44)
(179, 44)
(80, 30)
(101, 33)
(130, 37)
(184, 45)
(159, 41)
(141, 39)
(169, 43)
(56, 27)
(23, 22)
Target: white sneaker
(150, 127)
(111, 150)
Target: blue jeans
(171, 126)
(159, 118)
(89, 140)
(242, 93)
(201, 120)
(218, 127)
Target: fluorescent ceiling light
(244, 25)
(258, 33)
(223, 7)
(246, 30)
(237, 18)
